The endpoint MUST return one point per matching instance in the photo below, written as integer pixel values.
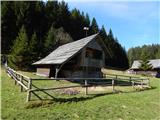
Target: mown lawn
(144, 105)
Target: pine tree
(50, 41)
(33, 48)
(94, 26)
(145, 65)
(19, 55)
(63, 16)
(51, 11)
(103, 33)
(145, 53)
(8, 26)
(158, 53)
(110, 35)
(87, 20)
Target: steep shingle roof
(136, 64)
(155, 64)
(64, 52)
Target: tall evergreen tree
(51, 12)
(94, 26)
(103, 33)
(9, 29)
(87, 19)
(110, 35)
(19, 54)
(145, 65)
(33, 48)
(158, 54)
(64, 16)
(76, 24)
(50, 41)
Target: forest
(145, 52)
(31, 30)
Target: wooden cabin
(81, 58)
(155, 67)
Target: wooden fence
(27, 85)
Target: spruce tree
(87, 20)
(9, 29)
(50, 41)
(158, 53)
(51, 13)
(103, 33)
(33, 48)
(94, 26)
(18, 58)
(145, 65)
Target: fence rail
(26, 82)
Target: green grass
(143, 105)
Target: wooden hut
(155, 67)
(81, 58)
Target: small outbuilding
(81, 58)
(155, 67)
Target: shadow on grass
(60, 100)
(54, 100)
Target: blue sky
(134, 23)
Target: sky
(133, 22)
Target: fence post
(86, 92)
(142, 83)
(116, 77)
(29, 88)
(132, 84)
(148, 82)
(130, 80)
(16, 78)
(113, 85)
(21, 80)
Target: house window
(93, 53)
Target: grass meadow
(133, 105)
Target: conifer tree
(19, 54)
(87, 20)
(33, 48)
(103, 33)
(110, 34)
(94, 26)
(158, 53)
(145, 65)
(51, 13)
(50, 41)
(8, 25)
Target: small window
(93, 53)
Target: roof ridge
(66, 51)
(79, 40)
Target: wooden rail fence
(27, 85)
